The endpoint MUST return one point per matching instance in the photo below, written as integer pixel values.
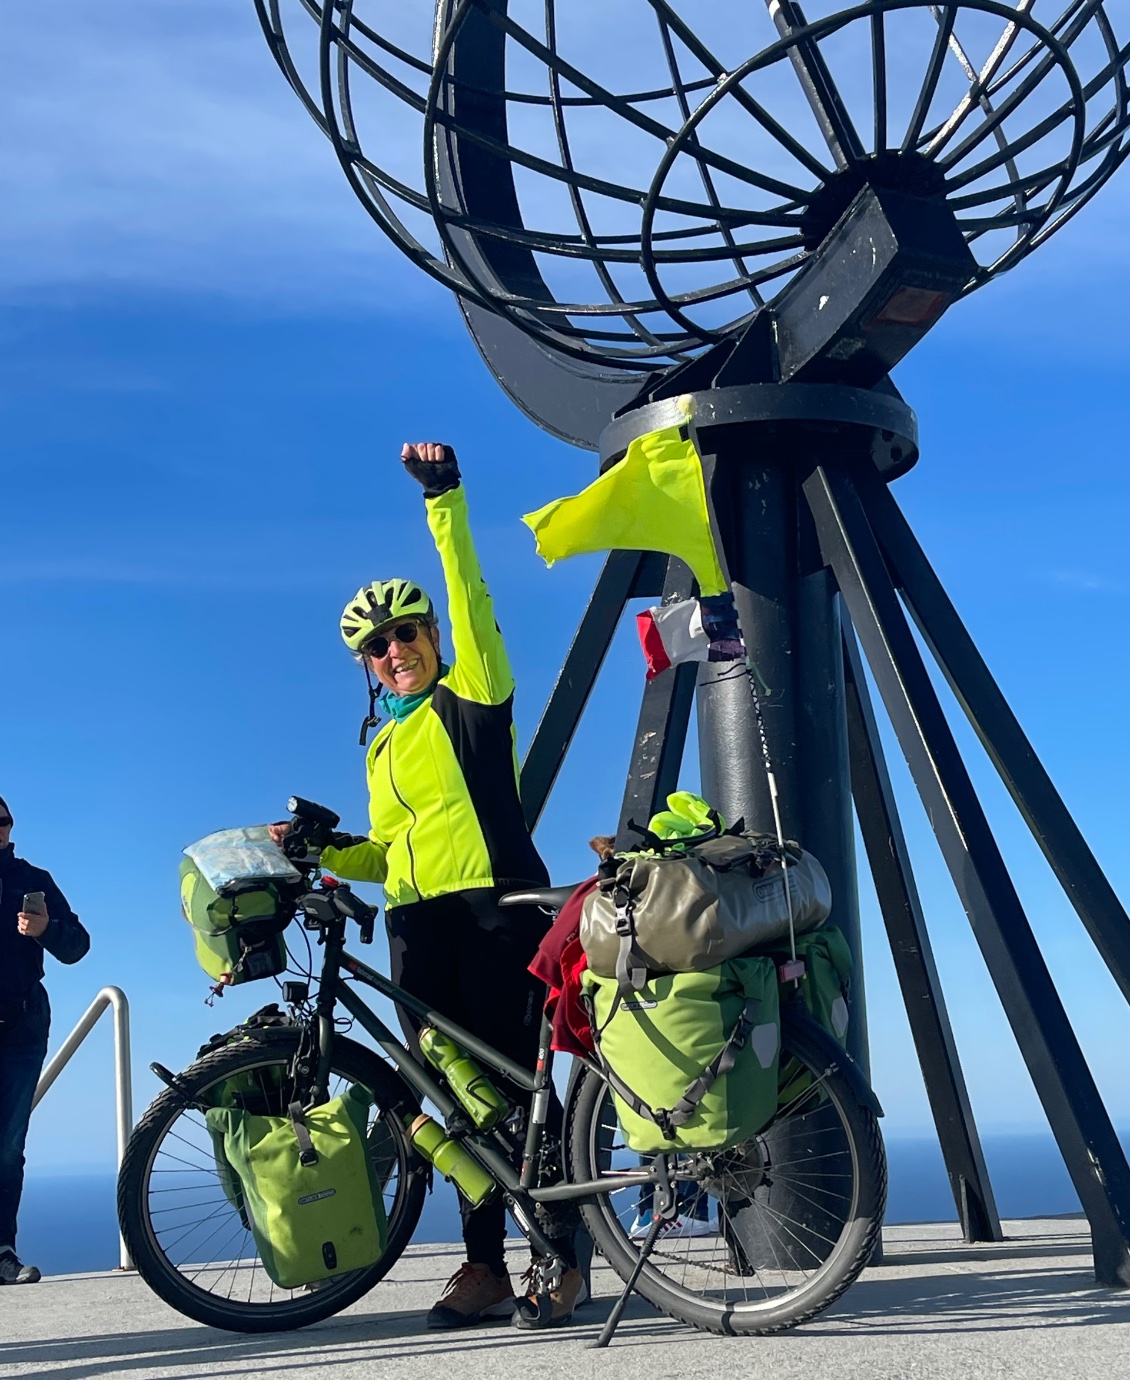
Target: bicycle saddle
(552, 897)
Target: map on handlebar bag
(241, 855)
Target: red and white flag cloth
(672, 633)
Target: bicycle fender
(795, 1017)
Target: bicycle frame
(490, 1149)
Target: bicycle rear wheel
(193, 1247)
(772, 1230)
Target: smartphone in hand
(35, 903)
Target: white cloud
(157, 146)
(1086, 582)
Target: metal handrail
(123, 1077)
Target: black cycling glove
(436, 476)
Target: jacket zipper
(412, 812)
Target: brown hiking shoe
(564, 1299)
(473, 1294)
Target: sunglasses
(378, 646)
(6, 821)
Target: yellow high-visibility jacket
(443, 783)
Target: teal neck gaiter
(400, 706)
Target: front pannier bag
(692, 1058)
(694, 909)
(308, 1187)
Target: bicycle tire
(691, 1278)
(174, 1114)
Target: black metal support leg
(661, 733)
(616, 585)
(829, 830)
(1030, 786)
(914, 960)
(1078, 1119)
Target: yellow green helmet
(379, 603)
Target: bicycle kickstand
(663, 1210)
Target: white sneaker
(691, 1226)
(678, 1226)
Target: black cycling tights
(467, 959)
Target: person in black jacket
(25, 1018)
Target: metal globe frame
(490, 257)
(864, 241)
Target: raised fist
(431, 464)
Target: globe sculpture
(629, 188)
(743, 219)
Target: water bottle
(485, 1105)
(451, 1159)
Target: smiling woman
(448, 837)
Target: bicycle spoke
(790, 1232)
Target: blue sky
(210, 359)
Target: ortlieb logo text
(317, 1197)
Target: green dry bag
(238, 932)
(308, 1186)
(691, 1057)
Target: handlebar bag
(308, 1186)
(692, 1058)
(689, 911)
(238, 930)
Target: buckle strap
(631, 971)
(307, 1155)
(670, 1119)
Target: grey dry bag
(686, 912)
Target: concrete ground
(935, 1308)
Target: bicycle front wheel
(769, 1232)
(192, 1245)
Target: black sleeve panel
(482, 737)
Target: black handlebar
(310, 829)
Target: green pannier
(254, 1090)
(824, 990)
(827, 978)
(308, 1188)
(238, 931)
(691, 1057)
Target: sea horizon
(68, 1219)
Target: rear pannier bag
(692, 910)
(307, 1186)
(692, 1058)
(824, 989)
(238, 930)
(827, 979)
